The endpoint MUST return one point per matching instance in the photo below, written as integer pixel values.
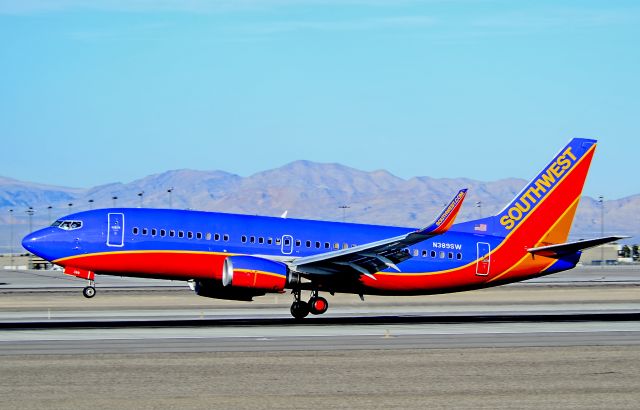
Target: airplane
(239, 257)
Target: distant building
(594, 256)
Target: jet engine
(252, 272)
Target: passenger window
(261, 240)
(225, 237)
(172, 233)
(327, 245)
(190, 235)
(278, 241)
(163, 233)
(287, 242)
(416, 252)
(441, 254)
(345, 245)
(145, 231)
(154, 232)
(252, 239)
(459, 256)
(336, 245)
(318, 244)
(135, 231)
(243, 239)
(180, 234)
(450, 255)
(298, 243)
(198, 235)
(208, 237)
(433, 254)
(216, 237)
(424, 254)
(269, 241)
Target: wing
(372, 257)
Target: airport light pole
(344, 211)
(141, 194)
(114, 198)
(170, 191)
(601, 200)
(91, 204)
(30, 212)
(49, 213)
(11, 237)
(479, 206)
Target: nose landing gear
(300, 309)
(89, 291)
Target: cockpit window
(68, 225)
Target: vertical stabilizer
(547, 205)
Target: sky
(94, 92)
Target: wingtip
(446, 218)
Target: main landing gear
(316, 305)
(89, 291)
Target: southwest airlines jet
(239, 257)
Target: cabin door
(115, 233)
(484, 259)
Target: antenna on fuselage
(284, 214)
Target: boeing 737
(239, 257)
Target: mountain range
(306, 190)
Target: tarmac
(565, 341)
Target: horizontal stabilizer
(556, 251)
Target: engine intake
(252, 272)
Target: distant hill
(307, 190)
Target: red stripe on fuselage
(152, 264)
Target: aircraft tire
(89, 292)
(318, 305)
(299, 309)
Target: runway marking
(279, 333)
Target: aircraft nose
(30, 242)
(47, 243)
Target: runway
(570, 342)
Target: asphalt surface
(588, 377)
(571, 342)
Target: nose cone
(32, 242)
(43, 243)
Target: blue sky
(101, 91)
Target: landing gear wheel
(299, 309)
(318, 305)
(89, 292)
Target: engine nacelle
(214, 289)
(252, 272)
